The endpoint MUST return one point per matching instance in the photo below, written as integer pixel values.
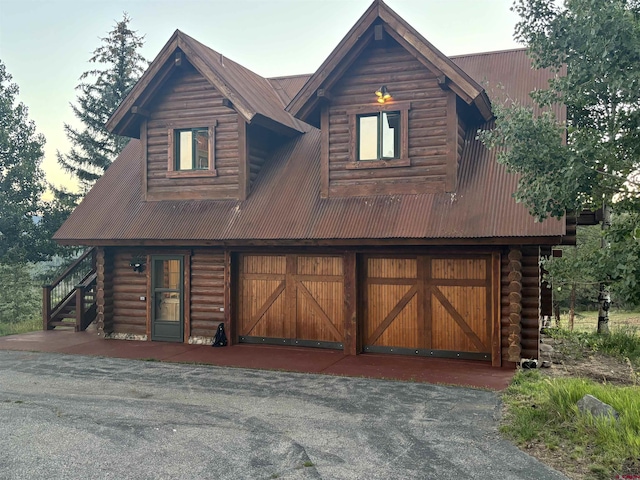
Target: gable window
(192, 149)
(191, 152)
(379, 136)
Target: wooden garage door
(291, 299)
(428, 305)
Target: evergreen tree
(26, 222)
(119, 65)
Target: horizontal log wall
(259, 142)
(530, 302)
(188, 100)
(207, 292)
(407, 80)
(104, 291)
(129, 312)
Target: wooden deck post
(46, 306)
(79, 294)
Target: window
(191, 152)
(192, 149)
(379, 136)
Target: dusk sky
(45, 45)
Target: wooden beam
(229, 326)
(443, 82)
(351, 343)
(361, 243)
(137, 110)
(227, 103)
(325, 94)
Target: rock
(595, 407)
(546, 348)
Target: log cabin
(351, 209)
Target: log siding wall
(207, 292)
(529, 309)
(428, 144)
(188, 100)
(259, 141)
(129, 312)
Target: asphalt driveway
(79, 417)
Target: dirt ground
(571, 361)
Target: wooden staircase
(70, 301)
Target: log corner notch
(515, 304)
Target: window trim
(172, 172)
(354, 112)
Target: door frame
(182, 290)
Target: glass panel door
(167, 280)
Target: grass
(543, 412)
(587, 321)
(622, 342)
(23, 326)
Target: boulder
(595, 407)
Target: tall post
(46, 306)
(604, 298)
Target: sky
(46, 45)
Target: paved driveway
(77, 417)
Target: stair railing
(71, 287)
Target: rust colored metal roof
(287, 87)
(293, 210)
(250, 94)
(285, 201)
(257, 91)
(507, 74)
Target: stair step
(62, 324)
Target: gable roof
(251, 95)
(306, 101)
(292, 210)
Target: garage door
(429, 305)
(291, 299)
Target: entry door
(167, 275)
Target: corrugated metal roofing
(508, 72)
(257, 91)
(285, 201)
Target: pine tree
(119, 66)
(21, 178)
